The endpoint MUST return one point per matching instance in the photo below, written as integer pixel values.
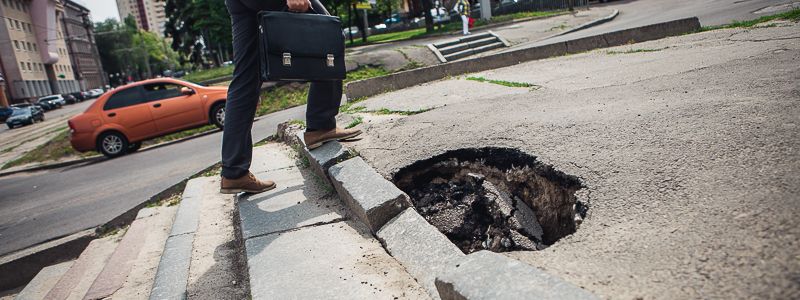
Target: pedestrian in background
(462, 7)
(324, 97)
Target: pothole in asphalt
(496, 199)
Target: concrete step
(172, 274)
(300, 243)
(454, 48)
(473, 51)
(122, 261)
(44, 281)
(76, 282)
(216, 271)
(475, 37)
(483, 42)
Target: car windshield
(20, 111)
(47, 98)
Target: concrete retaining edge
(423, 251)
(401, 80)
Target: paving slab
(419, 247)
(76, 282)
(372, 198)
(488, 275)
(214, 272)
(331, 261)
(437, 94)
(140, 280)
(300, 199)
(264, 161)
(189, 209)
(44, 281)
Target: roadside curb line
(417, 245)
(100, 157)
(401, 80)
(589, 24)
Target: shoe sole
(347, 137)
(236, 191)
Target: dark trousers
(324, 98)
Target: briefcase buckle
(287, 59)
(330, 60)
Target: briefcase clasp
(330, 60)
(287, 59)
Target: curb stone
(419, 247)
(488, 275)
(324, 157)
(401, 80)
(593, 23)
(372, 198)
(173, 268)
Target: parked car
(53, 101)
(93, 93)
(25, 116)
(5, 112)
(118, 121)
(79, 96)
(69, 98)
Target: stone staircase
(467, 46)
(297, 241)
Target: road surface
(38, 207)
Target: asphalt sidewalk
(688, 147)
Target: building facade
(149, 14)
(34, 59)
(81, 47)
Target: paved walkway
(688, 147)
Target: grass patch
(356, 121)
(503, 82)
(281, 98)
(792, 15)
(180, 135)
(386, 111)
(365, 72)
(297, 122)
(208, 74)
(454, 25)
(611, 52)
(56, 148)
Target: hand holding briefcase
(300, 47)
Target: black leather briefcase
(300, 47)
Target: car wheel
(218, 115)
(112, 144)
(133, 147)
(10, 126)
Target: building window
(22, 66)
(35, 48)
(17, 25)
(30, 68)
(16, 45)
(30, 46)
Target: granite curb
(401, 80)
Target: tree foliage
(126, 51)
(200, 30)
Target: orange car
(118, 121)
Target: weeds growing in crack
(504, 83)
(356, 121)
(612, 52)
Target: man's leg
(465, 24)
(240, 107)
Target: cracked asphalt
(689, 147)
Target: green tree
(200, 30)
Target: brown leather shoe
(247, 183)
(315, 139)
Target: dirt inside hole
(497, 199)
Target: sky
(101, 9)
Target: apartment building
(81, 46)
(149, 14)
(34, 59)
